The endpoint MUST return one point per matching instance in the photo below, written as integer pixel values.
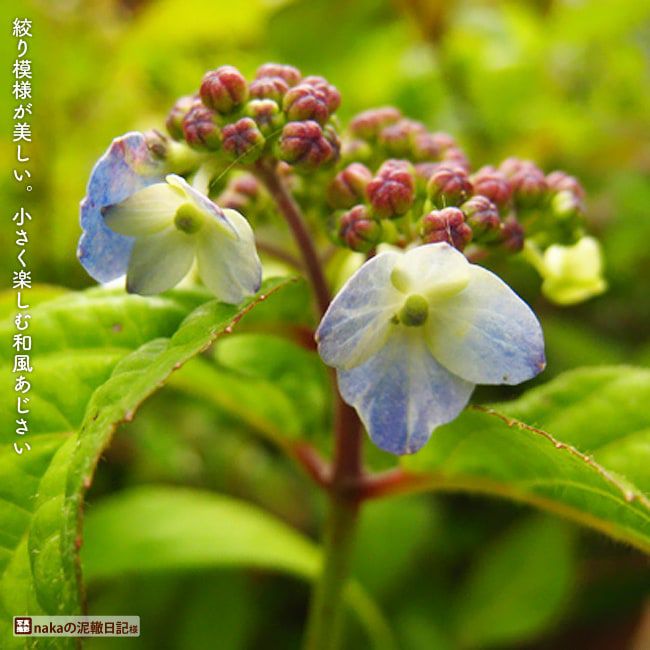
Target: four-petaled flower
(411, 334)
(153, 228)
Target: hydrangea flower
(153, 228)
(411, 334)
(572, 274)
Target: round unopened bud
(444, 141)
(455, 157)
(355, 150)
(529, 185)
(391, 193)
(446, 225)
(304, 102)
(180, 109)
(559, 181)
(348, 187)
(243, 140)
(266, 114)
(290, 74)
(368, 124)
(566, 205)
(200, 128)
(358, 230)
(424, 147)
(332, 95)
(512, 234)
(414, 312)
(397, 138)
(274, 88)
(303, 144)
(513, 165)
(493, 184)
(246, 184)
(449, 186)
(224, 89)
(482, 215)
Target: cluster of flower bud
(395, 170)
(278, 113)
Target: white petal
(229, 267)
(145, 212)
(204, 204)
(359, 318)
(432, 270)
(159, 262)
(486, 334)
(402, 394)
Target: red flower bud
(180, 109)
(447, 225)
(290, 74)
(304, 144)
(367, 124)
(559, 181)
(449, 186)
(349, 186)
(492, 184)
(358, 230)
(243, 140)
(304, 102)
(512, 234)
(266, 114)
(246, 184)
(529, 185)
(481, 214)
(224, 89)
(455, 157)
(397, 138)
(425, 147)
(274, 88)
(200, 128)
(332, 95)
(392, 191)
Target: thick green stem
(326, 613)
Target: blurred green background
(566, 83)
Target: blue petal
(127, 166)
(486, 334)
(358, 321)
(402, 393)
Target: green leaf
(96, 356)
(519, 585)
(152, 529)
(578, 446)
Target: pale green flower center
(414, 312)
(189, 219)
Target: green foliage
(578, 421)
(99, 355)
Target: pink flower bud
(493, 184)
(354, 150)
(559, 181)
(512, 234)
(424, 147)
(200, 128)
(304, 102)
(529, 186)
(397, 138)
(392, 191)
(446, 225)
(304, 144)
(246, 184)
(358, 230)
(366, 125)
(243, 140)
(180, 109)
(349, 186)
(332, 95)
(290, 74)
(274, 88)
(224, 89)
(481, 214)
(455, 157)
(449, 186)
